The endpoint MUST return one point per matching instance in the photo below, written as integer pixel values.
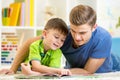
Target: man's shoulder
(102, 30)
(101, 33)
(101, 36)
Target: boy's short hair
(82, 14)
(57, 24)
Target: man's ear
(94, 27)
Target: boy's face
(53, 39)
(81, 34)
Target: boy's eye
(56, 37)
(62, 40)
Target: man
(87, 46)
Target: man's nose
(78, 37)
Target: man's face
(81, 34)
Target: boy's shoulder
(56, 53)
(37, 42)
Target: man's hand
(6, 71)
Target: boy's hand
(65, 72)
(26, 69)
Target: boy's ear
(44, 33)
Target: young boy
(45, 55)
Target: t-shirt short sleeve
(34, 53)
(55, 60)
(102, 49)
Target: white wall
(59, 6)
(6, 3)
(108, 13)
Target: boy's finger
(24, 64)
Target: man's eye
(73, 31)
(82, 33)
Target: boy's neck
(45, 46)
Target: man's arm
(22, 53)
(91, 66)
